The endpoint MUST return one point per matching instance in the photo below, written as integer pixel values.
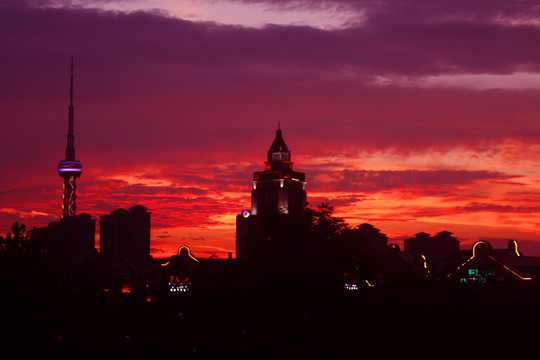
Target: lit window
(351, 286)
(179, 285)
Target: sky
(411, 115)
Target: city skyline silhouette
(437, 135)
(270, 180)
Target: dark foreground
(273, 321)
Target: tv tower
(69, 169)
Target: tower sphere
(67, 169)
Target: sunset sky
(411, 115)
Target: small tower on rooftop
(278, 152)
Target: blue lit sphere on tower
(69, 168)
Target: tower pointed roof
(278, 150)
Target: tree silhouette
(325, 226)
(17, 240)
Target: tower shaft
(69, 206)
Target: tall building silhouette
(70, 169)
(125, 237)
(278, 194)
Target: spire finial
(278, 131)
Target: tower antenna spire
(70, 150)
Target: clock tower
(278, 192)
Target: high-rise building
(278, 192)
(125, 235)
(70, 169)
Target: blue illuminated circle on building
(246, 213)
